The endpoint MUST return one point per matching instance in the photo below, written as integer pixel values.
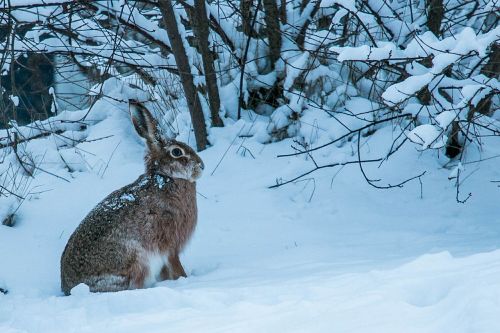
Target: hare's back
(108, 240)
(112, 217)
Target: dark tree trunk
(492, 67)
(435, 12)
(246, 16)
(273, 30)
(301, 37)
(182, 61)
(201, 30)
(491, 70)
(453, 146)
(283, 12)
(29, 79)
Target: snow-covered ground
(326, 254)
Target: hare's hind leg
(137, 274)
(176, 266)
(133, 278)
(107, 282)
(173, 269)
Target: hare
(132, 238)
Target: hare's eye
(176, 152)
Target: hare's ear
(144, 123)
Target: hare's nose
(201, 165)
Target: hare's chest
(156, 262)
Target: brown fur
(152, 217)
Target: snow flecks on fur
(127, 197)
(160, 181)
(116, 203)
